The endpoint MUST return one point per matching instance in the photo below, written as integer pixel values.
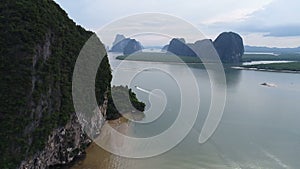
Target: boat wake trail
(143, 90)
(149, 92)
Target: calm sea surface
(260, 127)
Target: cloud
(268, 18)
(279, 12)
(95, 13)
(237, 15)
(278, 19)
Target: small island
(228, 45)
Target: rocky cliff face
(230, 47)
(38, 48)
(67, 142)
(62, 146)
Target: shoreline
(170, 62)
(224, 65)
(153, 61)
(265, 70)
(94, 153)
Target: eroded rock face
(230, 47)
(62, 146)
(68, 142)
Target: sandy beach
(97, 157)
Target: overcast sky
(273, 23)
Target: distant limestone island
(124, 45)
(228, 45)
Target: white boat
(269, 84)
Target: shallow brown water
(98, 158)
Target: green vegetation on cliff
(39, 46)
(120, 95)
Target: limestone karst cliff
(230, 47)
(125, 45)
(132, 46)
(39, 46)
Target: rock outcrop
(165, 48)
(230, 47)
(131, 47)
(118, 39)
(120, 43)
(180, 48)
